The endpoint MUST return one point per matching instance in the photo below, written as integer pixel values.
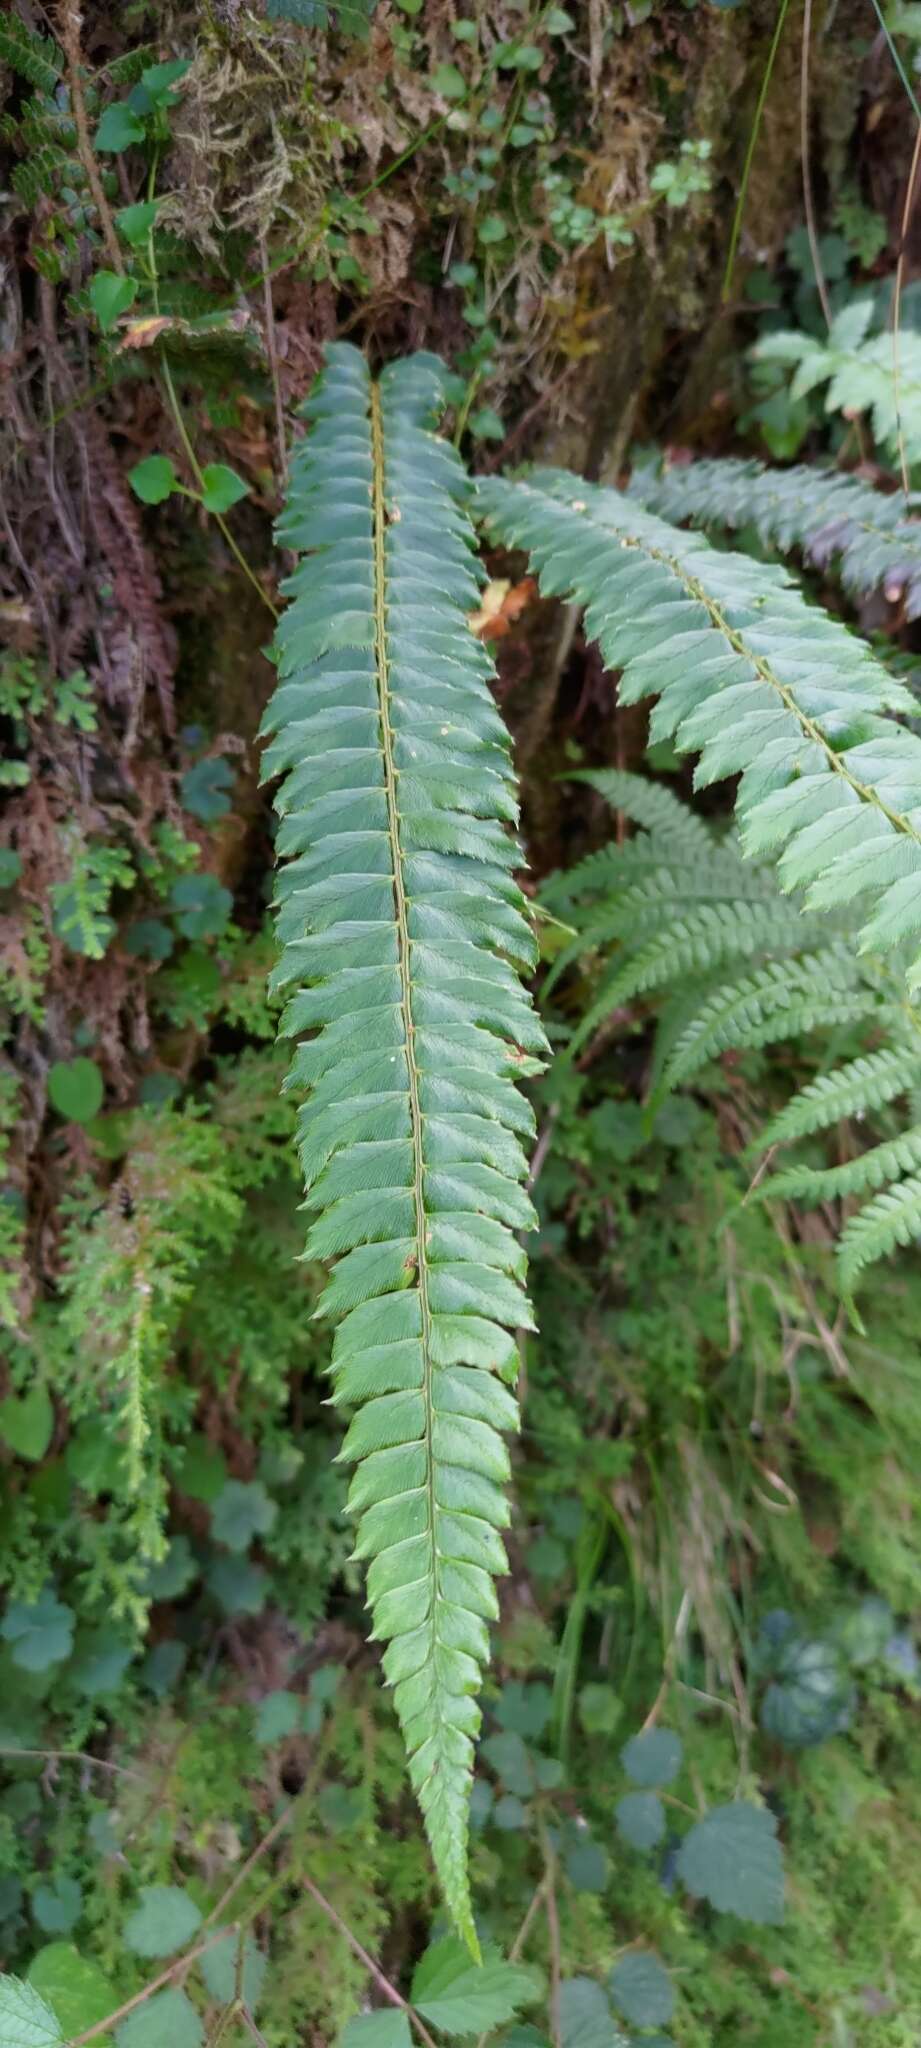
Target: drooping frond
(893, 1218)
(754, 679)
(824, 514)
(860, 372)
(401, 929)
(732, 971)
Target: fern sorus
(757, 682)
(829, 516)
(402, 930)
(676, 916)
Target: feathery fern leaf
(401, 928)
(860, 372)
(893, 1218)
(758, 682)
(34, 56)
(732, 970)
(829, 516)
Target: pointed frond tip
(756, 682)
(403, 933)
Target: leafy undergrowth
(715, 1543)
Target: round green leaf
(27, 1423)
(218, 1966)
(163, 1922)
(118, 128)
(203, 905)
(652, 1758)
(732, 1858)
(40, 1633)
(168, 2020)
(241, 1512)
(57, 1906)
(110, 296)
(642, 1989)
(203, 789)
(75, 1089)
(135, 222)
(221, 487)
(449, 82)
(640, 1818)
(153, 479)
(279, 1714)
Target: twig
(140, 1997)
(271, 343)
(553, 1930)
(81, 1756)
(70, 37)
(383, 1983)
(808, 204)
(544, 1142)
(260, 1850)
(897, 303)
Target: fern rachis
(402, 929)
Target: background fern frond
(754, 680)
(828, 516)
(732, 971)
(401, 928)
(34, 56)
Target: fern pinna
(401, 929)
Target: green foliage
(864, 372)
(396, 885)
(830, 517)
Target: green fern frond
(774, 1002)
(401, 929)
(35, 57)
(829, 516)
(870, 1169)
(696, 945)
(893, 1218)
(854, 1089)
(859, 370)
(758, 682)
(651, 805)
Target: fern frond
(893, 1218)
(696, 945)
(774, 1002)
(871, 1169)
(35, 57)
(651, 805)
(758, 682)
(828, 516)
(401, 929)
(854, 1089)
(859, 371)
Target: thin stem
(383, 1983)
(750, 150)
(70, 37)
(81, 1756)
(896, 59)
(278, 1826)
(553, 1930)
(808, 203)
(271, 343)
(112, 2019)
(195, 467)
(897, 303)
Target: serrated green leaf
(204, 789)
(26, 2021)
(164, 1921)
(167, 2020)
(40, 1633)
(586, 2020)
(642, 1989)
(732, 1858)
(279, 1714)
(218, 1966)
(640, 1818)
(75, 1987)
(241, 1511)
(464, 1997)
(57, 1906)
(377, 2030)
(653, 1757)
